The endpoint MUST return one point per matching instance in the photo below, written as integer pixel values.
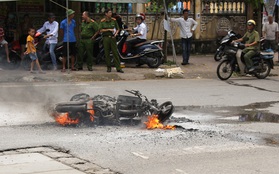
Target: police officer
(109, 29)
(89, 30)
(252, 40)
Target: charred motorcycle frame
(102, 108)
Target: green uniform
(86, 44)
(249, 52)
(110, 42)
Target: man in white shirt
(187, 27)
(51, 37)
(139, 35)
(270, 33)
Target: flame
(90, 110)
(64, 119)
(154, 123)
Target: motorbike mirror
(122, 32)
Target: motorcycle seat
(128, 105)
(144, 43)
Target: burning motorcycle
(103, 109)
(225, 41)
(149, 52)
(234, 62)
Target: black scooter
(225, 41)
(149, 52)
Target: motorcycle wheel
(14, 61)
(218, 56)
(266, 67)
(224, 70)
(165, 111)
(80, 97)
(156, 60)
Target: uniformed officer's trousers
(110, 45)
(248, 54)
(85, 45)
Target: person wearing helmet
(67, 28)
(251, 39)
(4, 51)
(139, 36)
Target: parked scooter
(225, 41)
(13, 55)
(234, 62)
(149, 52)
(44, 55)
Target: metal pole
(173, 48)
(68, 54)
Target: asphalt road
(221, 143)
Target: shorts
(33, 56)
(72, 47)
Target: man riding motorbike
(140, 34)
(252, 40)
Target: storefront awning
(114, 1)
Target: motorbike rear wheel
(165, 111)
(266, 67)
(224, 70)
(155, 60)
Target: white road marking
(219, 148)
(139, 154)
(181, 171)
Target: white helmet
(251, 22)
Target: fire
(90, 110)
(154, 123)
(64, 119)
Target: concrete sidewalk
(200, 67)
(45, 160)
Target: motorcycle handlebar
(134, 92)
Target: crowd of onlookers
(108, 27)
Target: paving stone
(72, 161)
(22, 150)
(87, 167)
(33, 163)
(57, 154)
(10, 152)
(41, 149)
(104, 171)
